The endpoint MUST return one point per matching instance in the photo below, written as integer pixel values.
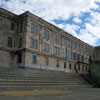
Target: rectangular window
(64, 41)
(34, 59)
(56, 50)
(78, 57)
(33, 43)
(64, 52)
(56, 38)
(69, 43)
(64, 64)
(57, 63)
(46, 34)
(12, 26)
(21, 27)
(69, 55)
(10, 40)
(34, 28)
(20, 42)
(0, 23)
(74, 56)
(46, 47)
(82, 58)
(46, 61)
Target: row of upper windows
(46, 34)
(10, 42)
(12, 25)
(46, 47)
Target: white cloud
(91, 34)
(62, 9)
(49, 9)
(77, 20)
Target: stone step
(37, 79)
(40, 81)
(46, 87)
(8, 73)
(32, 79)
(41, 84)
(37, 75)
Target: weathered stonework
(9, 57)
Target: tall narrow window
(34, 28)
(46, 61)
(69, 55)
(21, 27)
(69, 43)
(10, 40)
(64, 64)
(12, 26)
(78, 57)
(56, 38)
(64, 52)
(46, 47)
(74, 56)
(0, 23)
(34, 59)
(46, 34)
(64, 41)
(57, 63)
(33, 43)
(20, 42)
(56, 50)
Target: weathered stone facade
(71, 54)
(96, 54)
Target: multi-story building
(29, 41)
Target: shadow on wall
(95, 71)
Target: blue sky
(80, 18)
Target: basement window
(57, 63)
(34, 59)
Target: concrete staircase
(21, 79)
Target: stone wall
(96, 56)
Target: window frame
(34, 60)
(10, 42)
(34, 28)
(56, 50)
(45, 35)
(47, 61)
(46, 47)
(1, 23)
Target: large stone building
(29, 41)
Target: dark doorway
(19, 58)
(64, 64)
(70, 66)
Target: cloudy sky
(81, 18)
